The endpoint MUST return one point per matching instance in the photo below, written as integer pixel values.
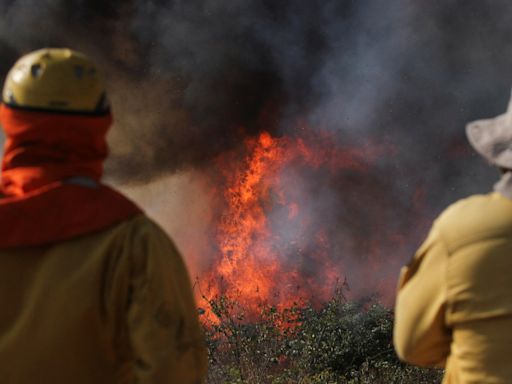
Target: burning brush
(277, 241)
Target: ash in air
(191, 80)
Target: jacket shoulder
(475, 218)
(144, 225)
(140, 234)
(138, 225)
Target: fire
(255, 265)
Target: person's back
(106, 307)
(455, 297)
(454, 304)
(92, 291)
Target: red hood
(42, 148)
(42, 151)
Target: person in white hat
(454, 302)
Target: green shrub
(340, 342)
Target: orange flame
(249, 267)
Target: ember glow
(270, 249)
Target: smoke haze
(189, 80)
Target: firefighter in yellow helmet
(454, 303)
(92, 290)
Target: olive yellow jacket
(454, 303)
(112, 307)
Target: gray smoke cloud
(191, 79)
(200, 70)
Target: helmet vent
(9, 97)
(36, 70)
(79, 71)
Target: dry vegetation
(341, 342)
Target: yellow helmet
(55, 79)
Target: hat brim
(492, 138)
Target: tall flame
(247, 261)
(250, 266)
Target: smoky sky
(190, 79)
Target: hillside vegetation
(339, 342)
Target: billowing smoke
(190, 80)
(187, 77)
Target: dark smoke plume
(190, 79)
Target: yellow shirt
(110, 307)
(454, 303)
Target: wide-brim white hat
(492, 138)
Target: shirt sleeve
(421, 336)
(164, 331)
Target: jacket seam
(446, 256)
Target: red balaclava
(42, 152)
